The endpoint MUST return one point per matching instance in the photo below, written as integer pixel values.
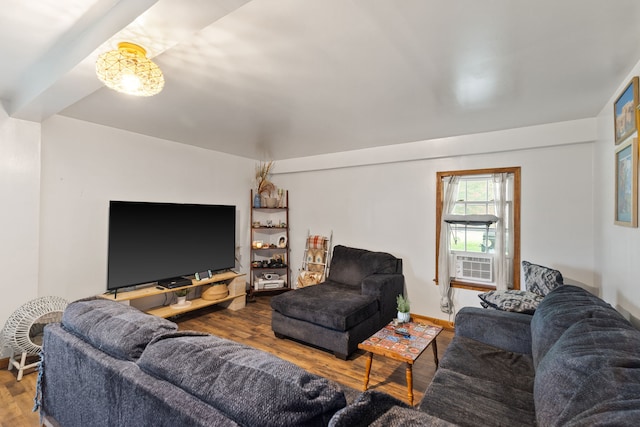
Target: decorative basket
(215, 292)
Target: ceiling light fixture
(128, 70)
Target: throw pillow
(539, 279)
(511, 300)
(317, 242)
(315, 260)
(309, 278)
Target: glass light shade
(128, 70)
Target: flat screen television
(161, 242)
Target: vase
(271, 202)
(404, 317)
(256, 201)
(182, 300)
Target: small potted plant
(403, 309)
(182, 296)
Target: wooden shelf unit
(269, 234)
(236, 298)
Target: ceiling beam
(102, 21)
(70, 65)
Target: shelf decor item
(181, 295)
(625, 110)
(263, 179)
(281, 197)
(271, 202)
(215, 292)
(403, 309)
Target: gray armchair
(357, 299)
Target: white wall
(85, 165)
(19, 213)
(378, 199)
(381, 198)
(617, 248)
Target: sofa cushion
(119, 330)
(478, 384)
(540, 279)
(479, 360)
(560, 309)
(470, 401)
(591, 372)
(329, 304)
(250, 386)
(511, 300)
(351, 265)
(503, 329)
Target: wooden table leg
(367, 371)
(434, 345)
(410, 383)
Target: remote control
(402, 331)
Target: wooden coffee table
(388, 343)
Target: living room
(58, 176)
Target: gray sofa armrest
(385, 287)
(506, 330)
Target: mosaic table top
(408, 343)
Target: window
(475, 197)
(482, 235)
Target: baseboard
(444, 323)
(4, 363)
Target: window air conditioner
(474, 267)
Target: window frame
(516, 223)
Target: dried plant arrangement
(263, 178)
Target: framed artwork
(282, 241)
(625, 111)
(626, 210)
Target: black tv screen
(156, 242)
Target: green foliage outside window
(475, 197)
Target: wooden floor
(252, 326)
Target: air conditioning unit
(474, 267)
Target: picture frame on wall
(626, 209)
(625, 110)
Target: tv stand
(234, 301)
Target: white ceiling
(275, 79)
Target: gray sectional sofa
(575, 362)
